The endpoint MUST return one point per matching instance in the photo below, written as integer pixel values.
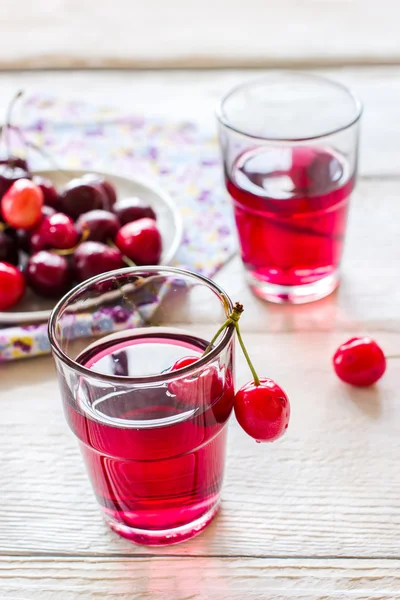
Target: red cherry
(98, 225)
(21, 205)
(140, 241)
(12, 285)
(50, 194)
(185, 361)
(82, 195)
(48, 274)
(133, 209)
(263, 411)
(196, 390)
(57, 231)
(359, 361)
(93, 258)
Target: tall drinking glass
(152, 437)
(289, 143)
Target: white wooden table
(315, 516)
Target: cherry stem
(256, 378)
(233, 319)
(224, 325)
(39, 149)
(127, 260)
(388, 356)
(7, 125)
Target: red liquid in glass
(290, 207)
(155, 463)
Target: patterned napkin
(178, 156)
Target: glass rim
(219, 111)
(162, 377)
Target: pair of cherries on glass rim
(261, 406)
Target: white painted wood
(192, 95)
(329, 488)
(197, 579)
(131, 33)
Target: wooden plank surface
(198, 579)
(67, 33)
(192, 95)
(329, 489)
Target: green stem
(128, 261)
(7, 124)
(216, 336)
(233, 319)
(247, 357)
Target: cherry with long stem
(5, 131)
(233, 319)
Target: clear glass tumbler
(152, 436)
(290, 143)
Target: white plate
(32, 308)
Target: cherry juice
(290, 206)
(155, 456)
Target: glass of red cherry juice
(289, 143)
(152, 438)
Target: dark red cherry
(132, 209)
(111, 193)
(105, 186)
(98, 226)
(24, 240)
(80, 197)
(15, 161)
(93, 258)
(9, 247)
(48, 274)
(50, 194)
(10, 174)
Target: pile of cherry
(51, 239)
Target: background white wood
(198, 579)
(329, 489)
(114, 33)
(193, 95)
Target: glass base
(296, 294)
(165, 537)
